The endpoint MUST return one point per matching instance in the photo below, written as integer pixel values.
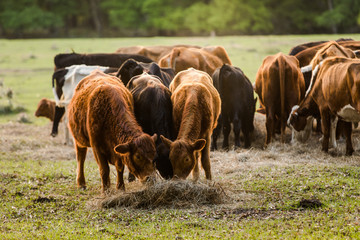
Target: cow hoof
(349, 152)
(53, 134)
(82, 187)
(131, 177)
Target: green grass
(44, 204)
(26, 66)
(39, 198)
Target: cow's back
(337, 83)
(86, 107)
(199, 85)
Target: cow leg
(131, 177)
(226, 132)
(282, 128)
(195, 171)
(59, 112)
(205, 159)
(236, 129)
(348, 131)
(80, 158)
(216, 134)
(246, 129)
(66, 129)
(333, 124)
(120, 176)
(104, 169)
(325, 125)
(270, 120)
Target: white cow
(73, 76)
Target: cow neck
(129, 129)
(306, 106)
(190, 126)
(313, 78)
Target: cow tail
(281, 61)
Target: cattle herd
(162, 108)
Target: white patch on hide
(349, 114)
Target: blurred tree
(341, 14)
(26, 16)
(162, 17)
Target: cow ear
(166, 141)
(198, 145)
(154, 137)
(123, 148)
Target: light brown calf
(196, 108)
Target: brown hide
(280, 85)
(196, 108)
(182, 58)
(307, 55)
(101, 116)
(46, 108)
(153, 52)
(329, 50)
(220, 52)
(336, 86)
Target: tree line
(119, 18)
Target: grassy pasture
(266, 188)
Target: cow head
(45, 108)
(183, 155)
(139, 155)
(296, 120)
(129, 69)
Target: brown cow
(206, 60)
(101, 116)
(153, 52)
(280, 85)
(46, 108)
(308, 54)
(336, 93)
(196, 108)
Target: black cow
(132, 68)
(153, 111)
(237, 105)
(63, 60)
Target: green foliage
(163, 17)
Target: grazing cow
(329, 49)
(101, 117)
(280, 85)
(308, 54)
(66, 80)
(131, 68)
(196, 108)
(153, 111)
(295, 50)
(153, 52)
(46, 108)
(220, 52)
(237, 105)
(335, 95)
(181, 58)
(114, 60)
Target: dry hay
(174, 194)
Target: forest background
(133, 18)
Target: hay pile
(175, 194)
